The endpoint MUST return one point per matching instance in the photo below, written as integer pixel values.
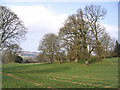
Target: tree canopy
(82, 35)
(12, 29)
(49, 45)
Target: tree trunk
(99, 48)
(51, 60)
(70, 58)
(59, 61)
(104, 57)
(86, 62)
(76, 60)
(86, 57)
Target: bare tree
(105, 41)
(50, 45)
(82, 33)
(93, 14)
(12, 29)
(74, 33)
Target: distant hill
(28, 54)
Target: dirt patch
(73, 82)
(87, 75)
(98, 78)
(113, 63)
(14, 76)
(84, 65)
(76, 76)
(67, 81)
(106, 86)
(38, 84)
(58, 77)
(18, 78)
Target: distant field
(67, 75)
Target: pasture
(102, 74)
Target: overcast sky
(47, 17)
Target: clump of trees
(81, 36)
(50, 46)
(18, 59)
(12, 31)
(116, 52)
(42, 57)
(29, 60)
(10, 54)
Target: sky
(41, 18)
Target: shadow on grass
(26, 65)
(34, 69)
(48, 70)
(20, 66)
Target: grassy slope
(67, 75)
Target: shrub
(94, 59)
(27, 61)
(18, 59)
(109, 57)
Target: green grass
(102, 74)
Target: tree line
(81, 37)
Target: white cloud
(39, 18)
(112, 30)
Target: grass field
(102, 74)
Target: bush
(18, 59)
(94, 59)
(27, 61)
(109, 57)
